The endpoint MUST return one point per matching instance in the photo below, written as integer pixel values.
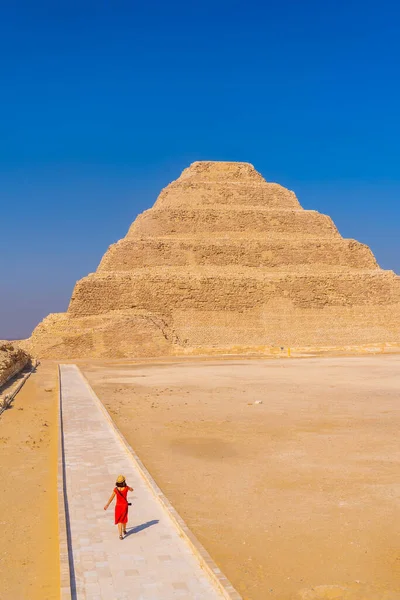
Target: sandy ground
(295, 497)
(29, 566)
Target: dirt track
(29, 566)
(295, 497)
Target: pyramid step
(221, 172)
(190, 194)
(129, 254)
(164, 290)
(156, 222)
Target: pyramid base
(114, 335)
(261, 331)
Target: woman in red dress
(121, 506)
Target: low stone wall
(12, 360)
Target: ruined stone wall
(12, 361)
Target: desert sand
(29, 566)
(286, 470)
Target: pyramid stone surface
(226, 262)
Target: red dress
(121, 505)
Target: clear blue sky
(103, 103)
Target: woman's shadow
(138, 528)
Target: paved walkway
(153, 562)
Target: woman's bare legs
(120, 530)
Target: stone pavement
(153, 562)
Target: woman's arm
(130, 489)
(110, 500)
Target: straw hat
(120, 479)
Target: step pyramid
(226, 262)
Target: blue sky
(104, 103)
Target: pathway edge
(65, 573)
(219, 580)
